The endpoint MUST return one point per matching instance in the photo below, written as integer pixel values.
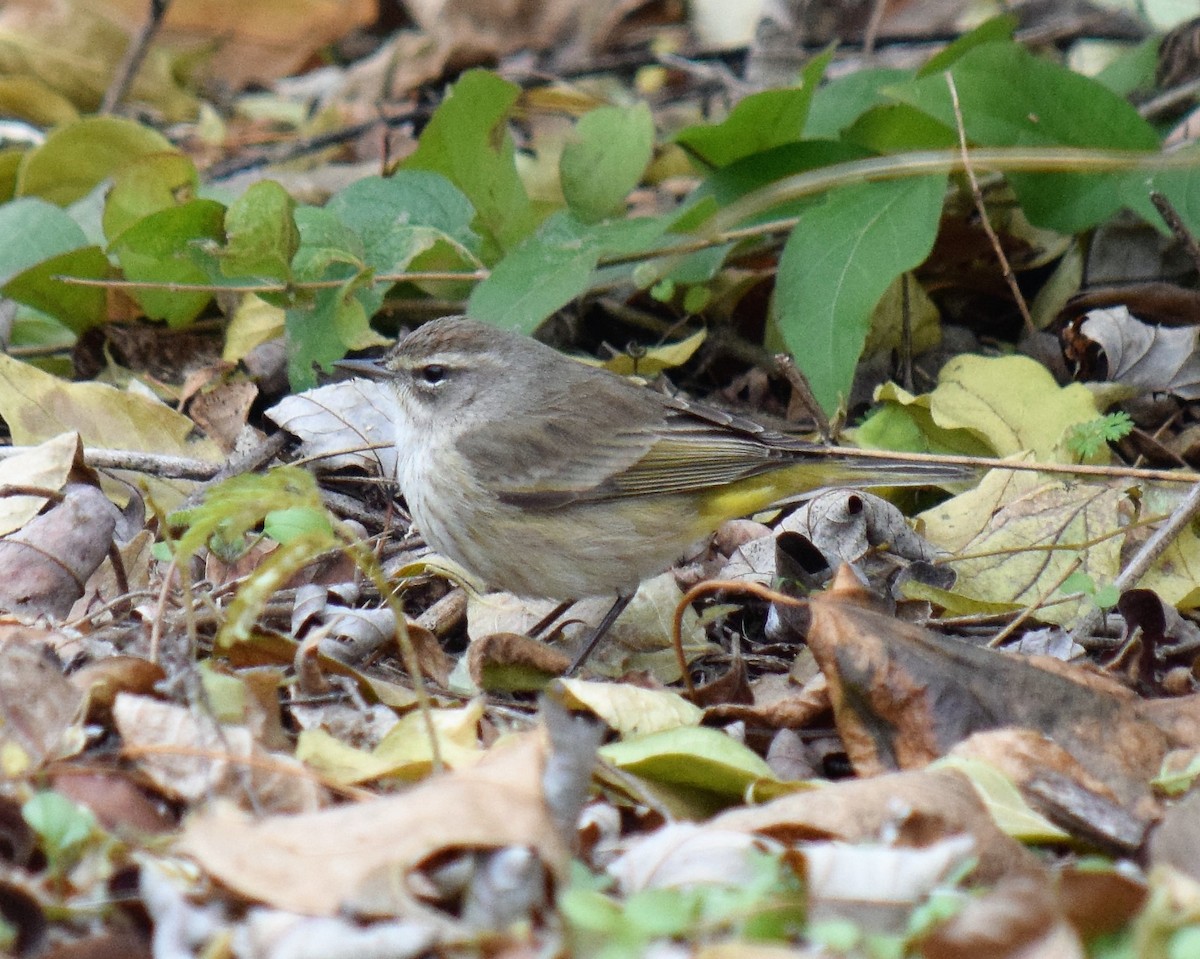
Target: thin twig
(1168, 212)
(1031, 610)
(155, 464)
(785, 363)
(1145, 557)
(977, 194)
(135, 53)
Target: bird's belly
(566, 553)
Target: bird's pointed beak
(367, 369)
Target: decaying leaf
(1018, 537)
(190, 758)
(367, 850)
(1148, 359)
(919, 807)
(38, 706)
(45, 466)
(45, 565)
(902, 696)
(342, 424)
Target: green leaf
(467, 141)
(146, 185)
(840, 102)
(261, 234)
(399, 216)
(237, 505)
(1181, 187)
(691, 756)
(78, 156)
(166, 247)
(79, 307)
(285, 525)
(31, 231)
(1009, 97)
(840, 259)
(758, 122)
(329, 250)
(996, 30)
(605, 159)
(61, 825)
(553, 267)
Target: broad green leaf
(694, 757)
(896, 127)
(1009, 97)
(384, 212)
(1181, 187)
(840, 259)
(996, 30)
(62, 825)
(261, 234)
(10, 162)
(758, 122)
(329, 250)
(605, 160)
(78, 156)
(166, 247)
(1133, 70)
(38, 241)
(377, 225)
(146, 185)
(32, 230)
(322, 331)
(553, 267)
(840, 102)
(467, 142)
(78, 307)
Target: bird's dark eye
(431, 374)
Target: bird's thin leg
(551, 618)
(597, 634)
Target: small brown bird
(548, 478)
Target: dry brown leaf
(367, 850)
(1148, 359)
(515, 654)
(38, 707)
(902, 696)
(46, 466)
(192, 758)
(222, 411)
(493, 28)
(45, 565)
(102, 680)
(1176, 841)
(779, 703)
(119, 806)
(924, 806)
(1019, 919)
(255, 42)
